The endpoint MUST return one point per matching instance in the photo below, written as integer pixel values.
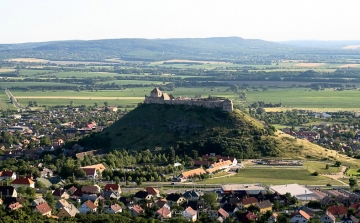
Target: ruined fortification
(158, 97)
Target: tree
(353, 182)
(327, 166)
(337, 164)
(71, 103)
(106, 104)
(210, 198)
(40, 185)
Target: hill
(340, 44)
(189, 128)
(216, 48)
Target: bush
(315, 173)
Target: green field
(271, 175)
(305, 98)
(5, 103)
(320, 167)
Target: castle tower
(228, 105)
(156, 93)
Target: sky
(272, 20)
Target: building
(38, 201)
(43, 209)
(264, 206)
(113, 209)
(7, 191)
(113, 187)
(61, 204)
(90, 172)
(175, 199)
(158, 97)
(337, 211)
(190, 214)
(23, 182)
(163, 213)
(69, 211)
(273, 218)
(87, 206)
(327, 217)
(243, 188)
(191, 173)
(300, 192)
(300, 216)
(60, 193)
(191, 195)
(221, 165)
(136, 210)
(5, 175)
(154, 192)
(15, 206)
(349, 219)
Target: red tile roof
(302, 213)
(43, 208)
(115, 207)
(138, 209)
(90, 204)
(24, 181)
(152, 190)
(223, 213)
(337, 210)
(164, 212)
(190, 211)
(15, 206)
(250, 200)
(112, 187)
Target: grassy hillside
(190, 128)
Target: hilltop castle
(158, 97)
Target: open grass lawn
(305, 98)
(78, 74)
(273, 176)
(320, 167)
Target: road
(13, 99)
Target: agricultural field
(272, 175)
(5, 70)
(5, 103)
(300, 98)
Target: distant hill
(216, 48)
(341, 44)
(189, 128)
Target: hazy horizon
(276, 20)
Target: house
(175, 199)
(8, 191)
(90, 189)
(136, 210)
(46, 173)
(142, 195)
(99, 167)
(300, 192)
(61, 204)
(247, 202)
(23, 182)
(306, 210)
(154, 192)
(43, 209)
(69, 211)
(15, 206)
(60, 193)
(162, 203)
(128, 202)
(349, 219)
(190, 214)
(189, 174)
(247, 217)
(191, 195)
(38, 201)
(90, 172)
(163, 213)
(71, 190)
(327, 217)
(219, 166)
(87, 206)
(113, 187)
(300, 216)
(273, 218)
(223, 213)
(111, 194)
(264, 206)
(92, 197)
(198, 205)
(113, 209)
(337, 211)
(5, 175)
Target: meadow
(273, 176)
(5, 103)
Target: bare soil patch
(309, 64)
(4, 70)
(349, 65)
(29, 60)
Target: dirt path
(337, 176)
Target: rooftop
(293, 189)
(237, 187)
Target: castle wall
(225, 105)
